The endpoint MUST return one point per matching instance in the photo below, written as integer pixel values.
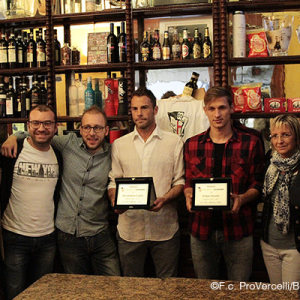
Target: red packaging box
(293, 104)
(274, 105)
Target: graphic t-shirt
(30, 210)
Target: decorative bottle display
(80, 91)
(112, 46)
(239, 34)
(10, 100)
(3, 52)
(21, 50)
(98, 94)
(73, 97)
(109, 107)
(12, 51)
(191, 86)
(207, 46)
(122, 96)
(186, 46)
(66, 55)
(89, 94)
(145, 48)
(2, 99)
(176, 47)
(122, 44)
(166, 48)
(196, 45)
(156, 50)
(31, 51)
(40, 50)
(57, 56)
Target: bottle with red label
(115, 92)
(109, 107)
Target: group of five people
(77, 171)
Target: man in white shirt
(27, 203)
(149, 152)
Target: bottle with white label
(239, 34)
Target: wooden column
(224, 43)
(216, 43)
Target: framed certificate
(211, 193)
(134, 193)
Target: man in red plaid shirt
(224, 150)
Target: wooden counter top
(78, 287)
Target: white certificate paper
(211, 194)
(133, 194)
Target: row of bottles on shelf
(18, 95)
(151, 49)
(82, 97)
(18, 49)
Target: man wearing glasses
(84, 240)
(29, 182)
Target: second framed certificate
(211, 193)
(134, 193)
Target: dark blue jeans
(26, 259)
(89, 255)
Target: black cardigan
(7, 167)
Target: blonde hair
(292, 122)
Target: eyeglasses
(88, 128)
(283, 136)
(37, 124)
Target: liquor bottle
(122, 44)
(89, 94)
(186, 46)
(73, 97)
(176, 47)
(196, 45)
(2, 99)
(156, 51)
(34, 93)
(122, 96)
(145, 48)
(151, 42)
(191, 86)
(57, 56)
(166, 48)
(40, 50)
(66, 55)
(31, 51)
(239, 34)
(98, 94)
(21, 50)
(25, 43)
(109, 106)
(43, 94)
(207, 46)
(80, 91)
(75, 56)
(25, 99)
(12, 51)
(112, 46)
(115, 92)
(3, 52)
(10, 102)
(18, 108)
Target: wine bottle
(43, 95)
(98, 94)
(25, 100)
(25, 43)
(191, 86)
(122, 44)
(156, 51)
(115, 92)
(109, 106)
(10, 103)
(145, 48)
(207, 46)
(57, 56)
(17, 110)
(186, 46)
(166, 48)
(12, 51)
(31, 51)
(112, 46)
(3, 52)
(176, 47)
(2, 99)
(40, 50)
(196, 45)
(122, 96)
(89, 94)
(34, 93)
(21, 50)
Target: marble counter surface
(79, 287)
